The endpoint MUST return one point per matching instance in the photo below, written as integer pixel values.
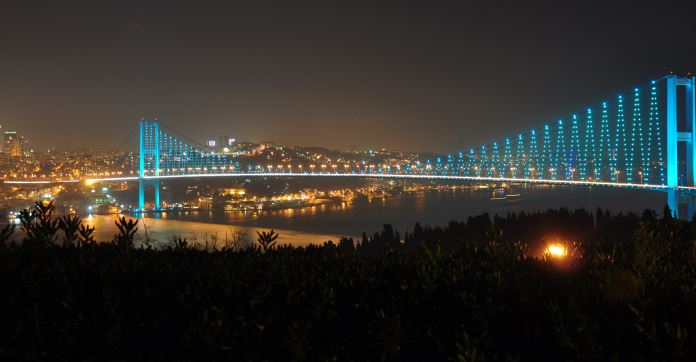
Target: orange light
(556, 250)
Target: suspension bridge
(644, 138)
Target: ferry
(505, 194)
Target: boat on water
(498, 194)
(505, 194)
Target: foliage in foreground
(469, 291)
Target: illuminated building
(16, 147)
(8, 136)
(221, 143)
(225, 141)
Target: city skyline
(413, 77)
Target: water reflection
(316, 224)
(161, 229)
(432, 207)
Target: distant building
(16, 147)
(225, 141)
(222, 143)
(8, 137)
(25, 145)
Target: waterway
(317, 224)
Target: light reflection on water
(320, 223)
(317, 224)
(161, 229)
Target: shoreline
(162, 229)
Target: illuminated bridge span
(644, 138)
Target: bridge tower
(149, 161)
(681, 129)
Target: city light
(627, 155)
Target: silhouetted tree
(70, 226)
(267, 239)
(125, 239)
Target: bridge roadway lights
(677, 197)
(680, 129)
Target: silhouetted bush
(468, 291)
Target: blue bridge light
(601, 145)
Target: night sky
(411, 75)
